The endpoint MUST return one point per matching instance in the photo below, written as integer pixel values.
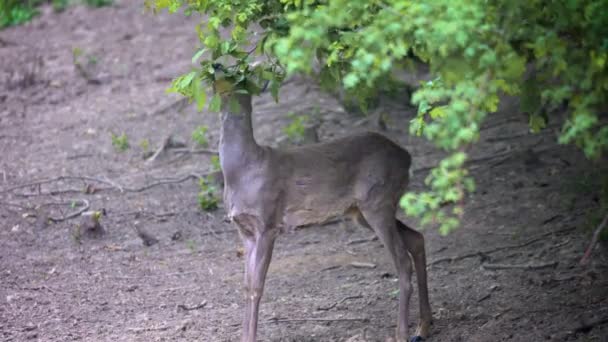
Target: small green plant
(207, 196)
(60, 5)
(199, 135)
(191, 244)
(215, 163)
(77, 53)
(98, 3)
(120, 142)
(92, 60)
(296, 128)
(144, 144)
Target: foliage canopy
(553, 54)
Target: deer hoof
(416, 339)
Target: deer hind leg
(382, 221)
(357, 217)
(414, 242)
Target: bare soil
(531, 208)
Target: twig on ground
(84, 208)
(190, 308)
(179, 104)
(498, 249)
(523, 267)
(356, 264)
(596, 235)
(329, 268)
(112, 184)
(78, 156)
(52, 180)
(552, 218)
(339, 302)
(160, 149)
(358, 241)
(217, 232)
(7, 204)
(196, 151)
(287, 320)
(168, 181)
(139, 330)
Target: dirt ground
(531, 208)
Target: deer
(269, 190)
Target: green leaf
(437, 112)
(537, 123)
(198, 55)
(186, 80)
(351, 80)
(274, 89)
(200, 96)
(215, 104)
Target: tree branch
(497, 249)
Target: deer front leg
(258, 251)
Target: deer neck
(238, 147)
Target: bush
(17, 12)
(14, 12)
(552, 54)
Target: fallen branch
(497, 249)
(160, 149)
(52, 180)
(190, 308)
(594, 239)
(364, 240)
(218, 232)
(140, 330)
(196, 151)
(112, 184)
(84, 208)
(179, 104)
(7, 204)
(169, 181)
(286, 320)
(357, 264)
(338, 303)
(523, 267)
